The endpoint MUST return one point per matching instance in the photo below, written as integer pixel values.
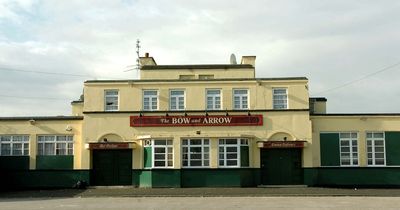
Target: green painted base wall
(14, 163)
(42, 178)
(353, 176)
(241, 177)
(157, 178)
(55, 162)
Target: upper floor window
(55, 145)
(14, 145)
(348, 149)
(184, 77)
(376, 148)
(177, 100)
(111, 100)
(240, 99)
(213, 99)
(280, 98)
(150, 100)
(206, 76)
(195, 152)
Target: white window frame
(275, 104)
(239, 142)
(177, 99)
(373, 141)
(13, 141)
(107, 107)
(168, 145)
(242, 106)
(151, 98)
(351, 152)
(68, 144)
(214, 99)
(205, 145)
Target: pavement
(199, 192)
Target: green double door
(111, 167)
(281, 167)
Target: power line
(51, 73)
(30, 97)
(359, 79)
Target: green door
(281, 167)
(112, 167)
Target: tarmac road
(202, 203)
(201, 198)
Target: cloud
(329, 42)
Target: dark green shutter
(329, 149)
(392, 146)
(147, 157)
(244, 156)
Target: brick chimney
(147, 60)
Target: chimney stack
(249, 60)
(147, 60)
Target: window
(376, 148)
(348, 149)
(177, 100)
(111, 100)
(162, 150)
(195, 152)
(150, 100)
(230, 152)
(186, 77)
(213, 99)
(280, 99)
(206, 76)
(55, 145)
(14, 145)
(240, 99)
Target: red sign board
(110, 146)
(212, 120)
(283, 144)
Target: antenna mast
(138, 57)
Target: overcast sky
(335, 44)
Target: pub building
(200, 126)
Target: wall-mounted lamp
(248, 114)
(166, 114)
(186, 114)
(68, 128)
(198, 132)
(226, 114)
(32, 121)
(140, 115)
(207, 114)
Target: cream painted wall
(77, 109)
(217, 73)
(295, 123)
(41, 127)
(360, 124)
(260, 93)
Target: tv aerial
(137, 65)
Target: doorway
(111, 167)
(281, 166)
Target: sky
(348, 49)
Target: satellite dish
(233, 59)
